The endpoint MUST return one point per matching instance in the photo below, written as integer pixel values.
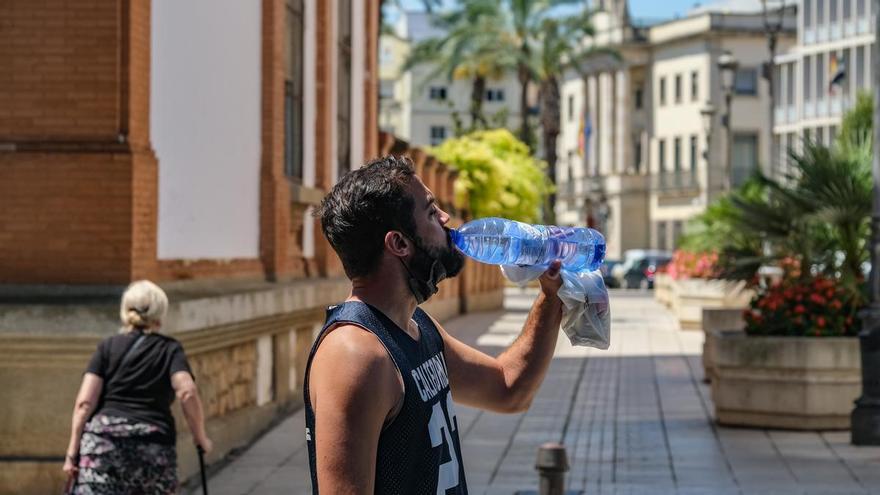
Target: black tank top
(419, 451)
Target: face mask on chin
(431, 265)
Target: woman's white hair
(143, 306)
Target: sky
(651, 9)
(664, 8)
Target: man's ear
(396, 243)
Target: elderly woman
(123, 436)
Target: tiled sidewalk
(635, 419)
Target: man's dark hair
(362, 207)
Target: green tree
(497, 175)
(714, 230)
(857, 125)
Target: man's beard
(430, 265)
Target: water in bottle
(500, 241)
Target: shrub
(798, 307)
(686, 264)
(498, 176)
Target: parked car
(607, 268)
(640, 266)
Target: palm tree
(559, 48)
(818, 214)
(526, 24)
(473, 47)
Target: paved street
(635, 419)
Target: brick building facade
(185, 143)
(80, 177)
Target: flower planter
(718, 320)
(693, 295)
(801, 383)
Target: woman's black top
(139, 388)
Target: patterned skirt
(116, 458)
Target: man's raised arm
(509, 382)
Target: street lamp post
(708, 115)
(866, 415)
(727, 65)
(772, 26)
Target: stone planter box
(800, 383)
(718, 320)
(691, 296)
(663, 286)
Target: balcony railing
(579, 187)
(681, 180)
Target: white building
(829, 33)
(421, 110)
(633, 159)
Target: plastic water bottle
(499, 241)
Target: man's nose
(444, 217)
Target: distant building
(819, 77)
(632, 159)
(420, 109)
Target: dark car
(640, 267)
(607, 268)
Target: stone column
(592, 111)
(621, 132)
(606, 126)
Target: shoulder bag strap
(125, 357)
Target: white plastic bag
(586, 313)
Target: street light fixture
(774, 20)
(708, 115)
(865, 420)
(728, 65)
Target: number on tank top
(439, 428)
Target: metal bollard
(552, 464)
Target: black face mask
(431, 265)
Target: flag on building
(585, 130)
(837, 68)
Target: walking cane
(201, 452)
(68, 487)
